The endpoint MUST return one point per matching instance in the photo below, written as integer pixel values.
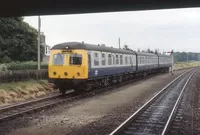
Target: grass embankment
(19, 91)
(180, 65)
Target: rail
(155, 115)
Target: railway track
(10, 112)
(13, 111)
(155, 116)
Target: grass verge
(180, 65)
(19, 91)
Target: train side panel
(165, 61)
(146, 62)
(113, 64)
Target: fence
(22, 75)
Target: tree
(186, 56)
(18, 40)
(156, 51)
(198, 57)
(149, 51)
(126, 47)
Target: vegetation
(184, 56)
(18, 40)
(13, 85)
(23, 75)
(19, 91)
(179, 65)
(29, 65)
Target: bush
(5, 59)
(29, 65)
(3, 67)
(22, 75)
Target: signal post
(171, 69)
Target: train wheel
(120, 79)
(105, 82)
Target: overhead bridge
(55, 7)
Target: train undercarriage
(79, 85)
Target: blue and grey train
(81, 66)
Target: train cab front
(68, 68)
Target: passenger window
(121, 60)
(96, 59)
(146, 59)
(141, 60)
(126, 61)
(117, 59)
(103, 60)
(131, 60)
(109, 59)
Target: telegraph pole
(39, 25)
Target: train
(81, 66)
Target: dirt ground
(99, 114)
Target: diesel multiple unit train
(81, 66)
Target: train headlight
(78, 74)
(65, 73)
(54, 73)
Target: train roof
(146, 54)
(79, 45)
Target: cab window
(75, 59)
(58, 59)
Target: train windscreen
(58, 59)
(75, 59)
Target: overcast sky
(177, 29)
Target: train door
(89, 64)
(89, 61)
